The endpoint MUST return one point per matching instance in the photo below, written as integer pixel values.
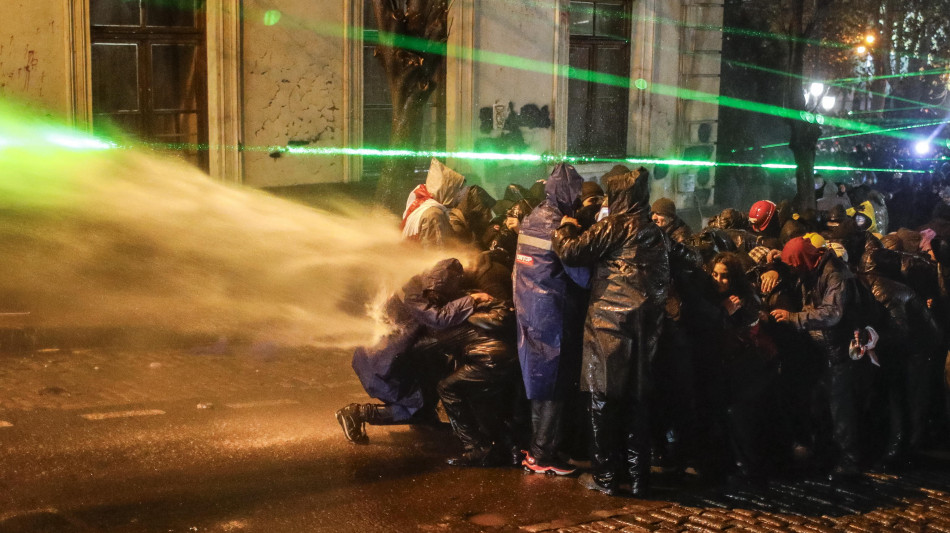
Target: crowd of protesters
(594, 325)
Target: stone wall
(34, 56)
(293, 90)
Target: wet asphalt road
(180, 441)
(244, 439)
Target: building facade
(604, 78)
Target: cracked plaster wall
(523, 30)
(34, 64)
(293, 91)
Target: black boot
(638, 450)
(639, 465)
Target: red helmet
(761, 214)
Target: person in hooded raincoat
(631, 277)
(426, 218)
(470, 218)
(547, 301)
(402, 368)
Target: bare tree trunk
(803, 140)
(804, 135)
(882, 58)
(412, 67)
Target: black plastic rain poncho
(628, 289)
(630, 255)
(471, 217)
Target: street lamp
(870, 39)
(828, 102)
(862, 50)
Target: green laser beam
(507, 60)
(78, 141)
(938, 71)
(571, 72)
(842, 136)
(884, 110)
(633, 17)
(730, 30)
(805, 78)
(554, 158)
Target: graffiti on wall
(19, 65)
(504, 117)
(509, 122)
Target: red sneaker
(556, 468)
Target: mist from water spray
(117, 238)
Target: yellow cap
(816, 240)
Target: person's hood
(563, 187)
(443, 279)
(801, 255)
(536, 193)
(476, 200)
(883, 262)
(731, 218)
(475, 206)
(910, 240)
(629, 193)
(711, 241)
(616, 171)
(443, 183)
(515, 193)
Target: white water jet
(116, 238)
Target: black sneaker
(352, 422)
(555, 467)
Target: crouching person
(480, 395)
(402, 369)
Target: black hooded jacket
(628, 289)
(678, 230)
(909, 326)
(470, 219)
